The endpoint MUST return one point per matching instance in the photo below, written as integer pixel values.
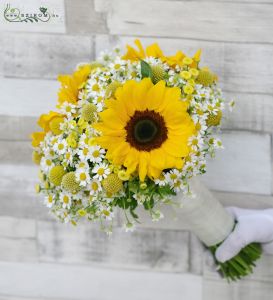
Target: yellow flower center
(173, 176)
(48, 162)
(100, 171)
(82, 176)
(65, 199)
(96, 153)
(94, 186)
(60, 146)
(95, 88)
(85, 151)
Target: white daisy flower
(46, 164)
(84, 153)
(101, 170)
(82, 165)
(68, 157)
(82, 176)
(60, 146)
(177, 185)
(49, 200)
(65, 200)
(129, 226)
(94, 187)
(173, 175)
(162, 180)
(157, 215)
(67, 109)
(96, 154)
(196, 142)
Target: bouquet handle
(212, 224)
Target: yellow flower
(134, 55)
(187, 61)
(146, 128)
(194, 72)
(37, 137)
(155, 51)
(45, 120)
(70, 84)
(185, 75)
(188, 89)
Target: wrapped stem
(208, 219)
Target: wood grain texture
(24, 97)
(203, 20)
(82, 19)
(143, 249)
(42, 56)
(243, 166)
(55, 281)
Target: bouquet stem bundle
(208, 219)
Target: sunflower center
(146, 130)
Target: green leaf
(146, 70)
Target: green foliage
(146, 70)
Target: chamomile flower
(84, 153)
(196, 142)
(65, 199)
(46, 164)
(60, 146)
(173, 175)
(94, 187)
(129, 226)
(82, 176)
(101, 171)
(96, 154)
(49, 200)
(68, 109)
(161, 180)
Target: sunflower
(146, 128)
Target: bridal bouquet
(131, 131)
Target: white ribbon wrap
(205, 215)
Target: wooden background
(41, 259)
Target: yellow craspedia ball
(69, 183)
(56, 174)
(112, 184)
(88, 112)
(205, 77)
(158, 73)
(54, 125)
(214, 120)
(36, 157)
(111, 88)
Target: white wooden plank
(83, 19)
(143, 249)
(17, 193)
(18, 250)
(54, 22)
(17, 227)
(46, 56)
(244, 165)
(15, 152)
(18, 127)
(25, 97)
(259, 285)
(82, 283)
(240, 67)
(238, 22)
